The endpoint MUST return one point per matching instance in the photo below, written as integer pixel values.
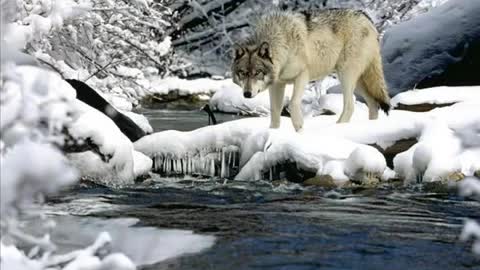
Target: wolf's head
(252, 68)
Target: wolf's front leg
(276, 92)
(296, 102)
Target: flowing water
(263, 225)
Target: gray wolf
(287, 47)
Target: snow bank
(437, 95)
(143, 245)
(53, 98)
(203, 86)
(323, 147)
(438, 153)
(229, 99)
(36, 106)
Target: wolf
(288, 47)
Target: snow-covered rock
(440, 47)
(113, 163)
(442, 149)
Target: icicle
(184, 166)
(212, 168)
(223, 165)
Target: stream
(264, 225)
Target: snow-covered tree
(35, 107)
(96, 39)
(207, 29)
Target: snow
(186, 87)
(140, 120)
(365, 159)
(36, 106)
(327, 148)
(229, 99)
(25, 160)
(142, 164)
(35, 26)
(115, 147)
(471, 230)
(470, 187)
(437, 95)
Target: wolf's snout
(247, 94)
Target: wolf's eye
(241, 73)
(259, 73)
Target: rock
(446, 185)
(174, 101)
(424, 107)
(398, 147)
(440, 47)
(455, 176)
(367, 179)
(325, 181)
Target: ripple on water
(285, 226)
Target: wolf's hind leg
(371, 102)
(296, 102)
(276, 93)
(348, 79)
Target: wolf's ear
(264, 51)
(238, 52)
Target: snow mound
(365, 159)
(185, 87)
(437, 95)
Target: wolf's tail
(375, 84)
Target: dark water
(182, 120)
(262, 225)
(259, 225)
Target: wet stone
(325, 181)
(367, 179)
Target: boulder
(440, 47)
